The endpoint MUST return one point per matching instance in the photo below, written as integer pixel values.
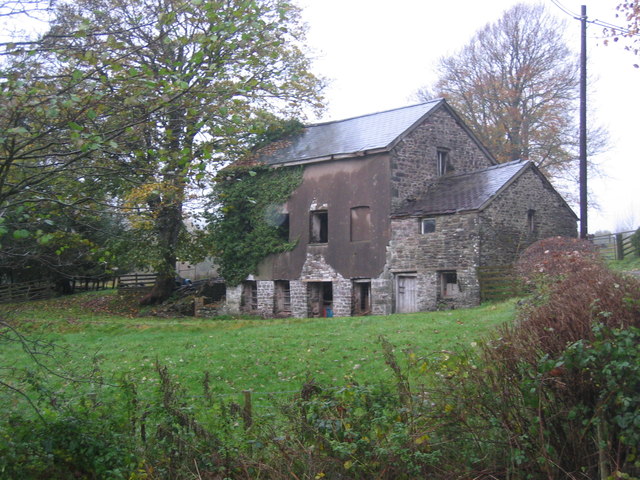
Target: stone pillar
(299, 307)
(342, 291)
(265, 297)
(381, 296)
(233, 297)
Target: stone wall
(414, 159)
(505, 231)
(266, 290)
(299, 304)
(382, 296)
(453, 246)
(234, 298)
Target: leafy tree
(629, 11)
(516, 84)
(145, 95)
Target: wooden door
(406, 301)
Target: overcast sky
(377, 53)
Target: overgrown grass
(630, 263)
(275, 355)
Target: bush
(556, 396)
(84, 443)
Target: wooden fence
(499, 283)
(137, 280)
(40, 290)
(25, 291)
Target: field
(104, 332)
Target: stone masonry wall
(414, 159)
(266, 290)
(233, 298)
(505, 231)
(317, 269)
(381, 296)
(299, 305)
(454, 246)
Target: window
(449, 284)
(531, 220)
(319, 227)
(444, 162)
(427, 225)
(360, 224)
(283, 227)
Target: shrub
(555, 397)
(91, 443)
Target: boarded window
(282, 298)
(449, 284)
(427, 225)
(319, 227)
(360, 224)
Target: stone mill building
(395, 213)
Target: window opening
(319, 227)
(214, 292)
(449, 284)
(444, 162)
(531, 220)
(283, 227)
(427, 225)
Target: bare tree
(516, 84)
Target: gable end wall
(414, 158)
(504, 226)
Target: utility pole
(583, 123)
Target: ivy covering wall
(248, 222)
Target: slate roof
(350, 137)
(465, 191)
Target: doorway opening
(320, 295)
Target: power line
(601, 23)
(565, 9)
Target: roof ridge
(492, 167)
(329, 122)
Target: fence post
(619, 247)
(246, 410)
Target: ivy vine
(247, 223)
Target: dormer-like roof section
(373, 133)
(464, 192)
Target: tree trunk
(168, 226)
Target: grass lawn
(267, 356)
